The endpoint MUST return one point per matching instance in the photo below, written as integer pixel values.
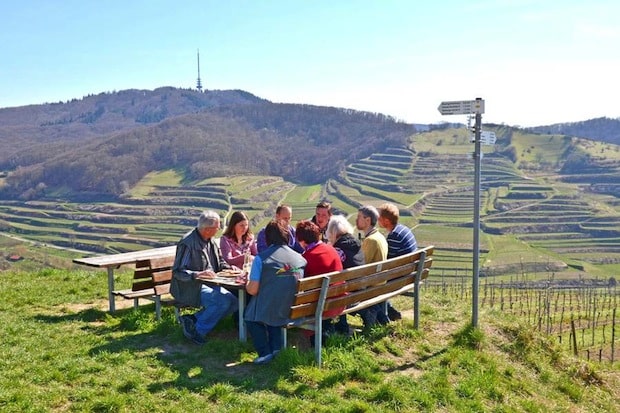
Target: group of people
(281, 254)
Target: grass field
(62, 352)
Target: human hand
(241, 278)
(207, 274)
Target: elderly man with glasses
(198, 256)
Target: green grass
(154, 179)
(62, 352)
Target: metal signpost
(470, 107)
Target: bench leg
(318, 336)
(284, 332)
(135, 303)
(157, 308)
(177, 314)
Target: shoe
(263, 359)
(393, 313)
(198, 339)
(275, 353)
(189, 327)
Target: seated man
(400, 241)
(322, 213)
(197, 256)
(284, 214)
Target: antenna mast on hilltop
(198, 82)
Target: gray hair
(338, 226)
(371, 212)
(208, 219)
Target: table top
(116, 260)
(229, 282)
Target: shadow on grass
(161, 345)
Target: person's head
(388, 215)
(238, 226)
(322, 214)
(208, 224)
(337, 227)
(307, 232)
(367, 217)
(277, 233)
(284, 213)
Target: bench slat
(356, 281)
(340, 301)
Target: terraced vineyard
(534, 219)
(155, 217)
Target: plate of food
(229, 273)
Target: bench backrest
(154, 273)
(361, 283)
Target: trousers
(216, 302)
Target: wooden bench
(151, 281)
(357, 288)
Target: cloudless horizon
(534, 63)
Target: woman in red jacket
(322, 258)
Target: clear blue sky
(534, 62)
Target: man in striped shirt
(400, 241)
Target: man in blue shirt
(400, 241)
(284, 214)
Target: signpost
(462, 107)
(468, 107)
(487, 138)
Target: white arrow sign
(461, 107)
(487, 138)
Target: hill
(550, 202)
(104, 144)
(600, 129)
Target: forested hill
(104, 144)
(600, 129)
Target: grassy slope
(62, 352)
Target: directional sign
(487, 137)
(461, 107)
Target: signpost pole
(476, 246)
(467, 107)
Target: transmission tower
(198, 82)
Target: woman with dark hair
(321, 257)
(272, 283)
(237, 240)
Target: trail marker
(461, 107)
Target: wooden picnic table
(115, 261)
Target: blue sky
(533, 62)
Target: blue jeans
(266, 339)
(216, 302)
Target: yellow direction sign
(461, 107)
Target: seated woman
(237, 240)
(340, 235)
(322, 258)
(272, 283)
